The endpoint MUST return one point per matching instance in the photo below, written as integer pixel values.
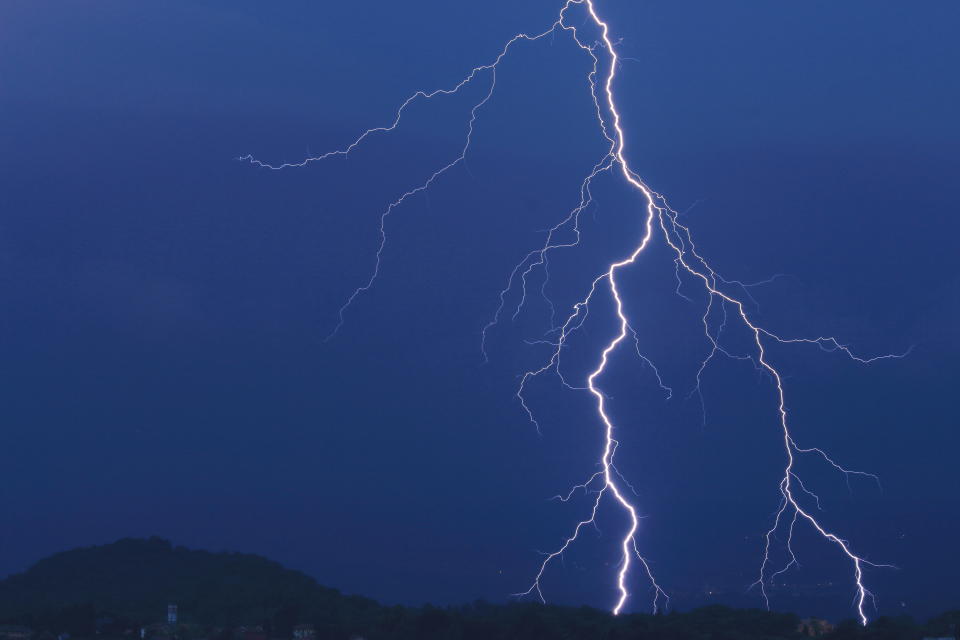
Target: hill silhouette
(110, 591)
(136, 578)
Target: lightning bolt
(725, 297)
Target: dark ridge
(115, 590)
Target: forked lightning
(725, 298)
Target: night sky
(163, 307)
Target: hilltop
(135, 579)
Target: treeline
(112, 591)
(483, 621)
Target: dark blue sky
(163, 307)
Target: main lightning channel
(658, 217)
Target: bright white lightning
(721, 293)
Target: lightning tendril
(727, 297)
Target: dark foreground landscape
(150, 589)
